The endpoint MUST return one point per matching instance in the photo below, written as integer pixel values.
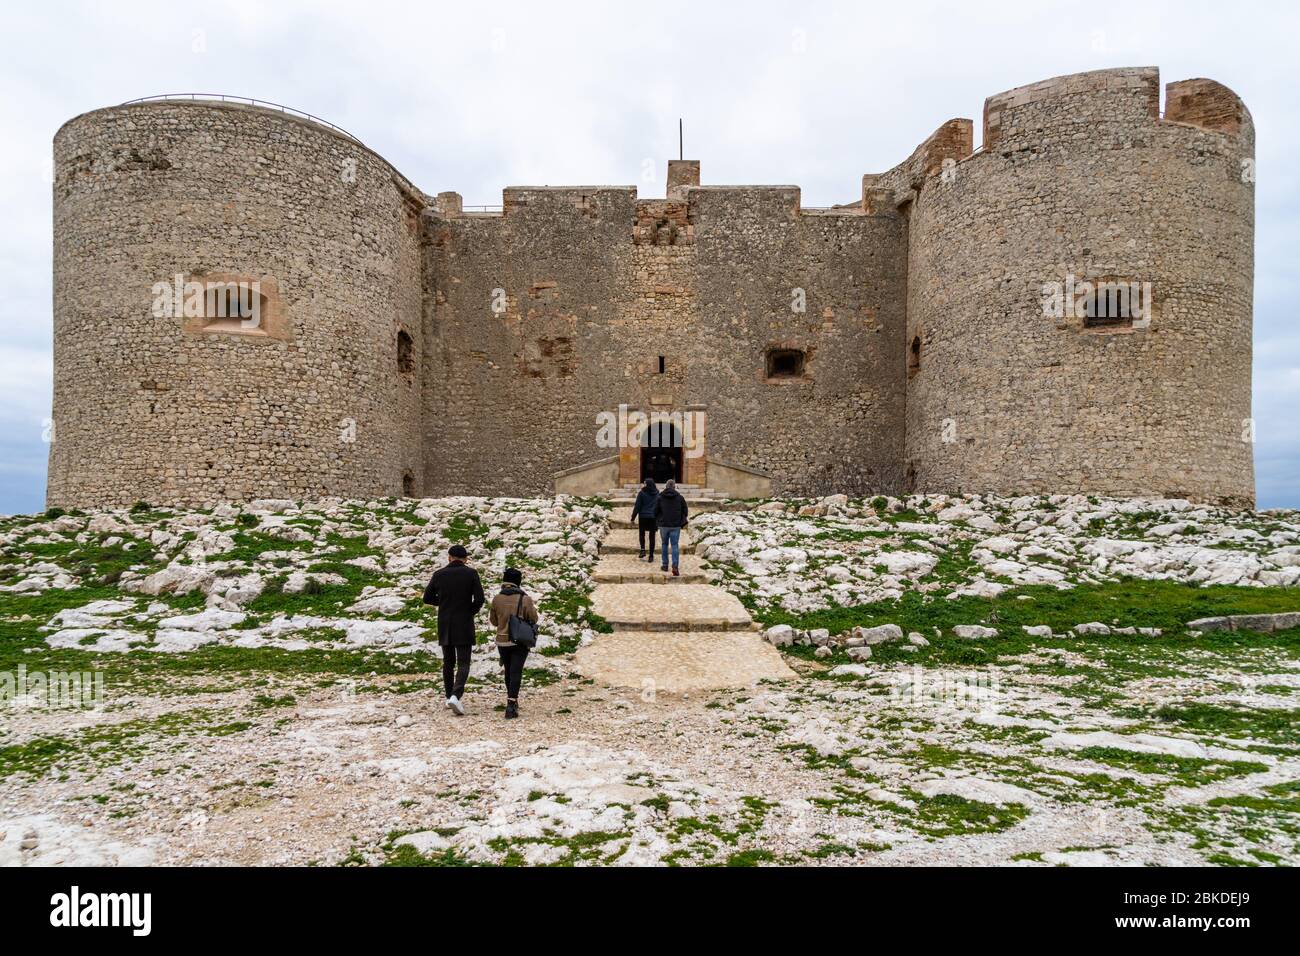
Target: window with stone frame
(234, 306)
(914, 356)
(1114, 304)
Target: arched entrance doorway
(661, 452)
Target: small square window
(785, 363)
(235, 307)
(1117, 304)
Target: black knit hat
(458, 551)
(513, 576)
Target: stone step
(684, 489)
(629, 569)
(696, 505)
(627, 541)
(683, 607)
(619, 519)
(681, 661)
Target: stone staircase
(691, 636)
(698, 499)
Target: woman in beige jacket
(511, 600)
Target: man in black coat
(457, 592)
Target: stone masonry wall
(1079, 176)
(145, 409)
(599, 285)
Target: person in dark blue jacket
(671, 514)
(643, 513)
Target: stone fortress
(408, 345)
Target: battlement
(1207, 105)
(1039, 113)
(1105, 105)
(1130, 95)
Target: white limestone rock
(425, 842)
(973, 632)
(779, 635)
(174, 579)
(880, 634)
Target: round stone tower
(237, 306)
(1079, 295)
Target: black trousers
(455, 669)
(512, 659)
(646, 528)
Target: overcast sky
(474, 96)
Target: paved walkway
(671, 634)
(629, 569)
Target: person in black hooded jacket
(671, 516)
(643, 513)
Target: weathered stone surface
(685, 606)
(678, 661)
(881, 634)
(1247, 622)
(779, 635)
(974, 632)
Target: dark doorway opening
(661, 452)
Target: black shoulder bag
(521, 632)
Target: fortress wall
(509, 396)
(599, 284)
(839, 428)
(1080, 176)
(157, 409)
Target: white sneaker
(457, 707)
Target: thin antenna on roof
(681, 153)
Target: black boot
(512, 710)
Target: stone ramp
(627, 541)
(629, 569)
(676, 662)
(684, 607)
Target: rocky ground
(988, 681)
